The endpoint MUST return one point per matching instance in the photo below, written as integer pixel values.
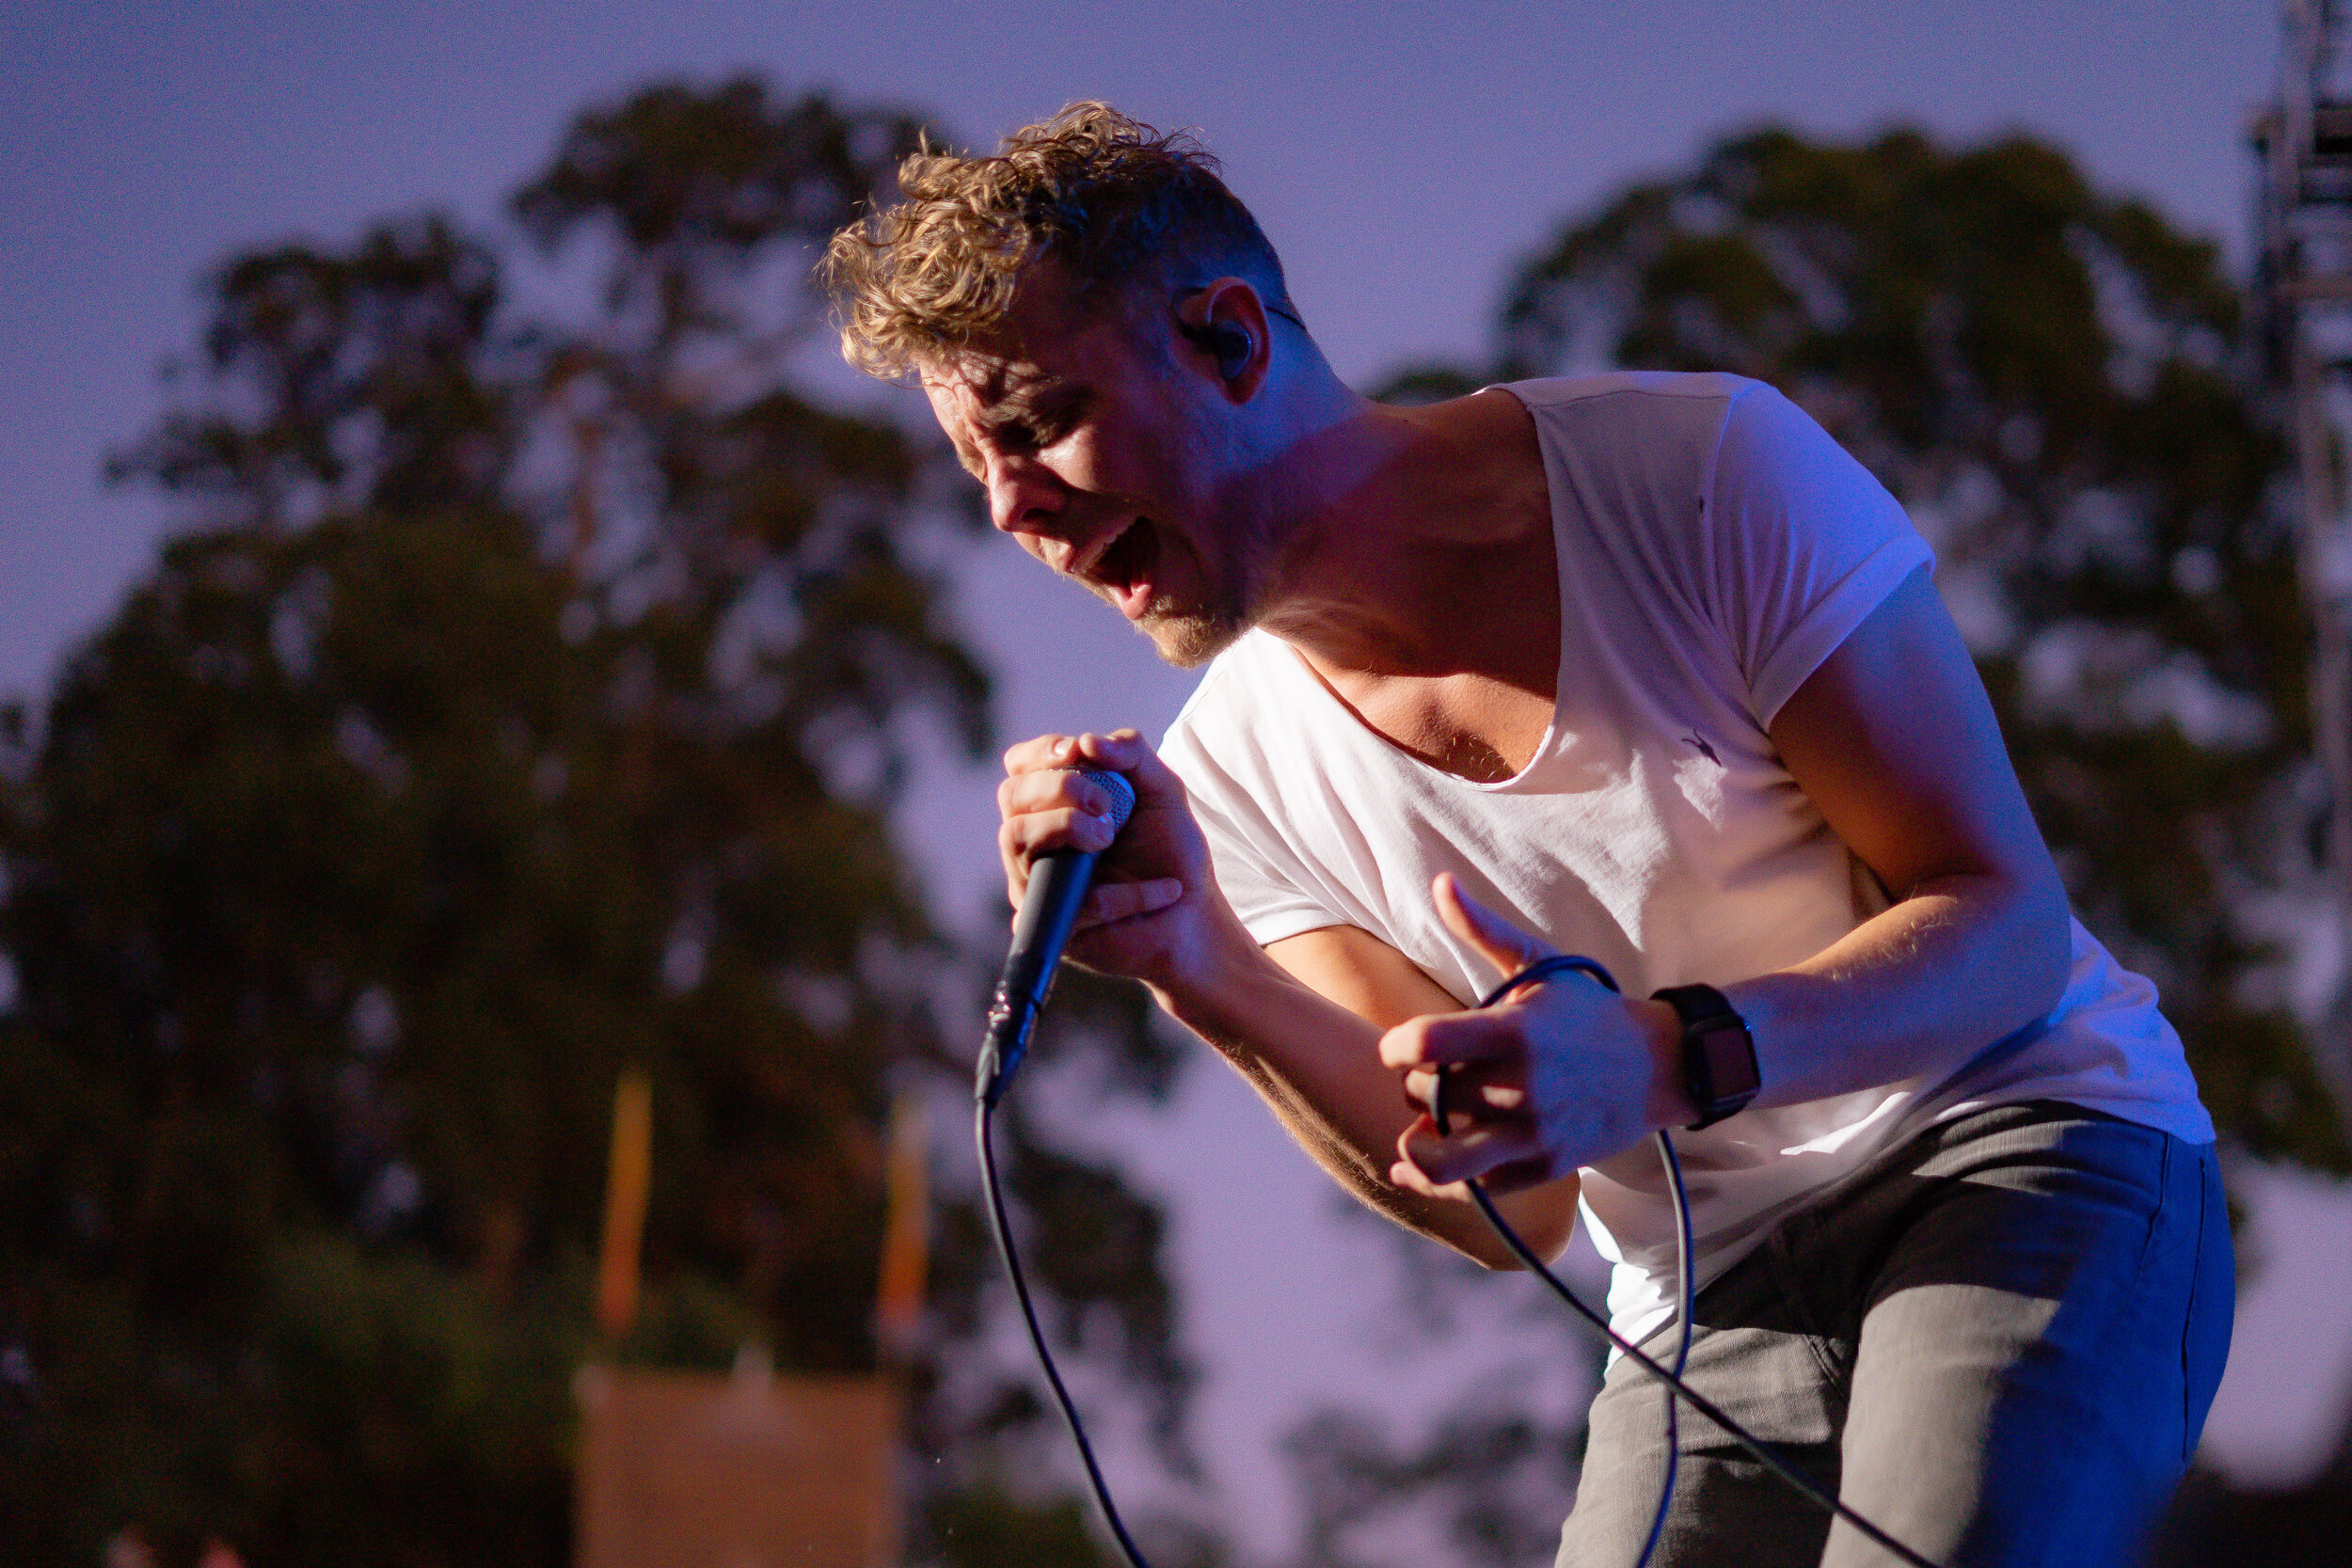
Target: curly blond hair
(1115, 203)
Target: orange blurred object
(906, 1233)
(627, 1182)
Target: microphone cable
(1542, 970)
(985, 1106)
(1048, 911)
(999, 1059)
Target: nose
(1024, 495)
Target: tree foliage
(1500, 1473)
(524, 703)
(2053, 381)
(2057, 385)
(363, 378)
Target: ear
(1223, 330)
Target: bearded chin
(1190, 638)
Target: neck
(1409, 529)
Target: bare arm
(1368, 977)
(1895, 743)
(1300, 1020)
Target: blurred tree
(1501, 1473)
(2050, 379)
(362, 378)
(2054, 382)
(524, 703)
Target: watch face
(1731, 1058)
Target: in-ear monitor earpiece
(1228, 342)
(1233, 347)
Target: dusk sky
(1403, 158)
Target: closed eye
(1042, 424)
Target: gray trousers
(1997, 1342)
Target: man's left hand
(1556, 1075)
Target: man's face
(1107, 452)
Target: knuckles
(1446, 1038)
(1033, 754)
(1519, 1175)
(1036, 789)
(1035, 832)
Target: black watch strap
(1718, 1054)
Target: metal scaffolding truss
(2304, 288)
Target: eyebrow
(993, 391)
(1031, 421)
(1048, 402)
(1000, 404)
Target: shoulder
(1226, 717)
(1635, 388)
(1730, 429)
(1660, 400)
(1654, 420)
(1244, 743)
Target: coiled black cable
(1545, 969)
(1540, 971)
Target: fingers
(1046, 788)
(1051, 790)
(1110, 902)
(1055, 811)
(1044, 750)
(1506, 1155)
(1499, 942)
(1509, 1126)
(1492, 1133)
(1476, 1089)
(1116, 751)
(1047, 805)
(1442, 1040)
(1123, 750)
(1021, 839)
(1486, 1130)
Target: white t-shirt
(1715, 545)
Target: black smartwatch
(1718, 1054)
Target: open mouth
(1124, 566)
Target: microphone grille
(1123, 794)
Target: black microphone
(1058, 885)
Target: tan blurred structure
(691, 1470)
(753, 1470)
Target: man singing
(1641, 667)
